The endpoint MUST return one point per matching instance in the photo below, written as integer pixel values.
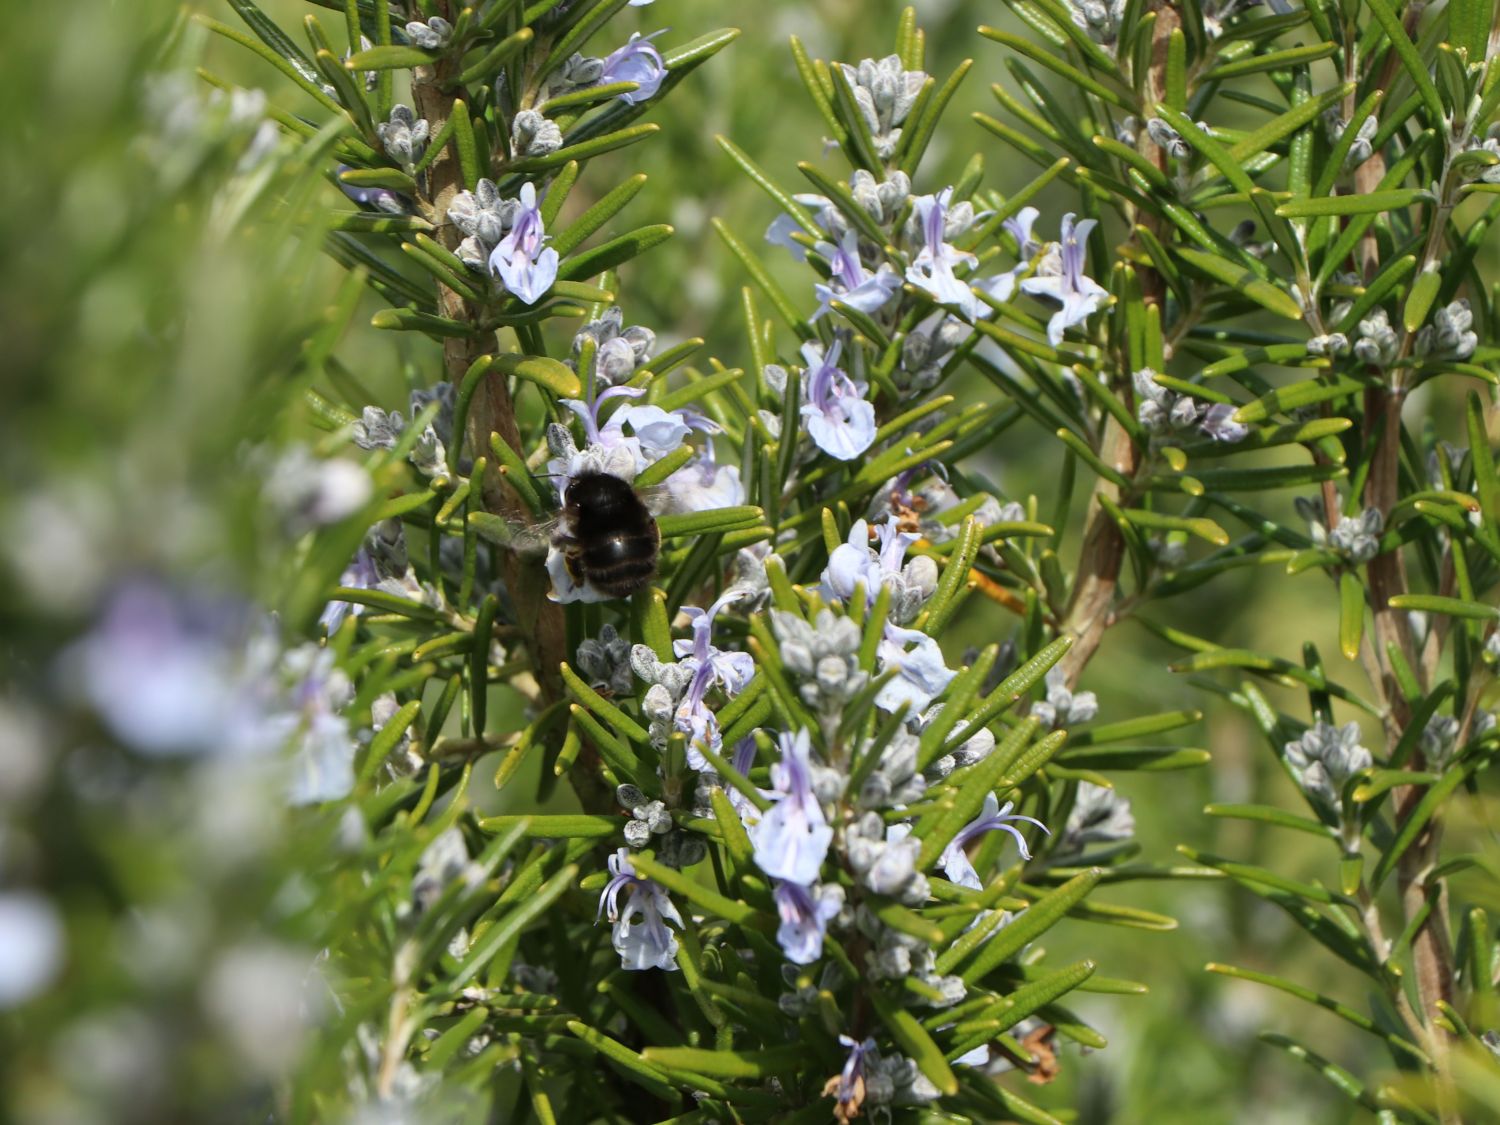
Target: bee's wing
(657, 498)
(523, 538)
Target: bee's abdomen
(620, 564)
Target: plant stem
(493, 412)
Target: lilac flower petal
(919, 660)
(793, 836)
(805, 913)
(637, 61)
(520, 260)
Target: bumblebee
(607, 535)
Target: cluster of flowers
(1165, 412)
(1356, 538)
(867, 278)
(178, 675)
(506, 238)
(825, 843)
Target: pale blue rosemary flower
(381, 199)
(703, 485)
(840, 420)
(784, 225)
(1059, 276)
(637, 61)
(708, 667)
(850, 282)
(172, 673)
(641, 935)
(381, 563)
(522, 261)
(310, 718)
(854, 562)
(922, 674)
(955, 861)
(848, 1086)
(932, 269)
(805, 913)
(608, 448)
(792, 837)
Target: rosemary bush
(336, 789)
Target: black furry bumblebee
(607, 535)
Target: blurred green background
(1187, 1050)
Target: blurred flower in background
(156, 731)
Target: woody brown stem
(492, 412)
(1091, 608)
(1432, 952)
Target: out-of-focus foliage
(311, 798)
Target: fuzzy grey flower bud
(885, 94)
(882, 199)
(445, 860)
(430, 36)
(619, 351)
(828, 784)
(630, 796)
(1099, 816)
(1099, 19)
(1358, 537)
(658, 704)
(606, 661)
(1360, 149)
(1167, 138)
(482, 215)
(1439, 739)
(533, 134)
(681, 849)
(893, 868)
(581, 70)
(1330, 344)
(1183, 414)
(404, 136)
(429, 455)
(376, 429)
(1064, 707)
(472, 253)
(1377, 343)
(1326, 757)
(643, 663)
(1450, 334)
